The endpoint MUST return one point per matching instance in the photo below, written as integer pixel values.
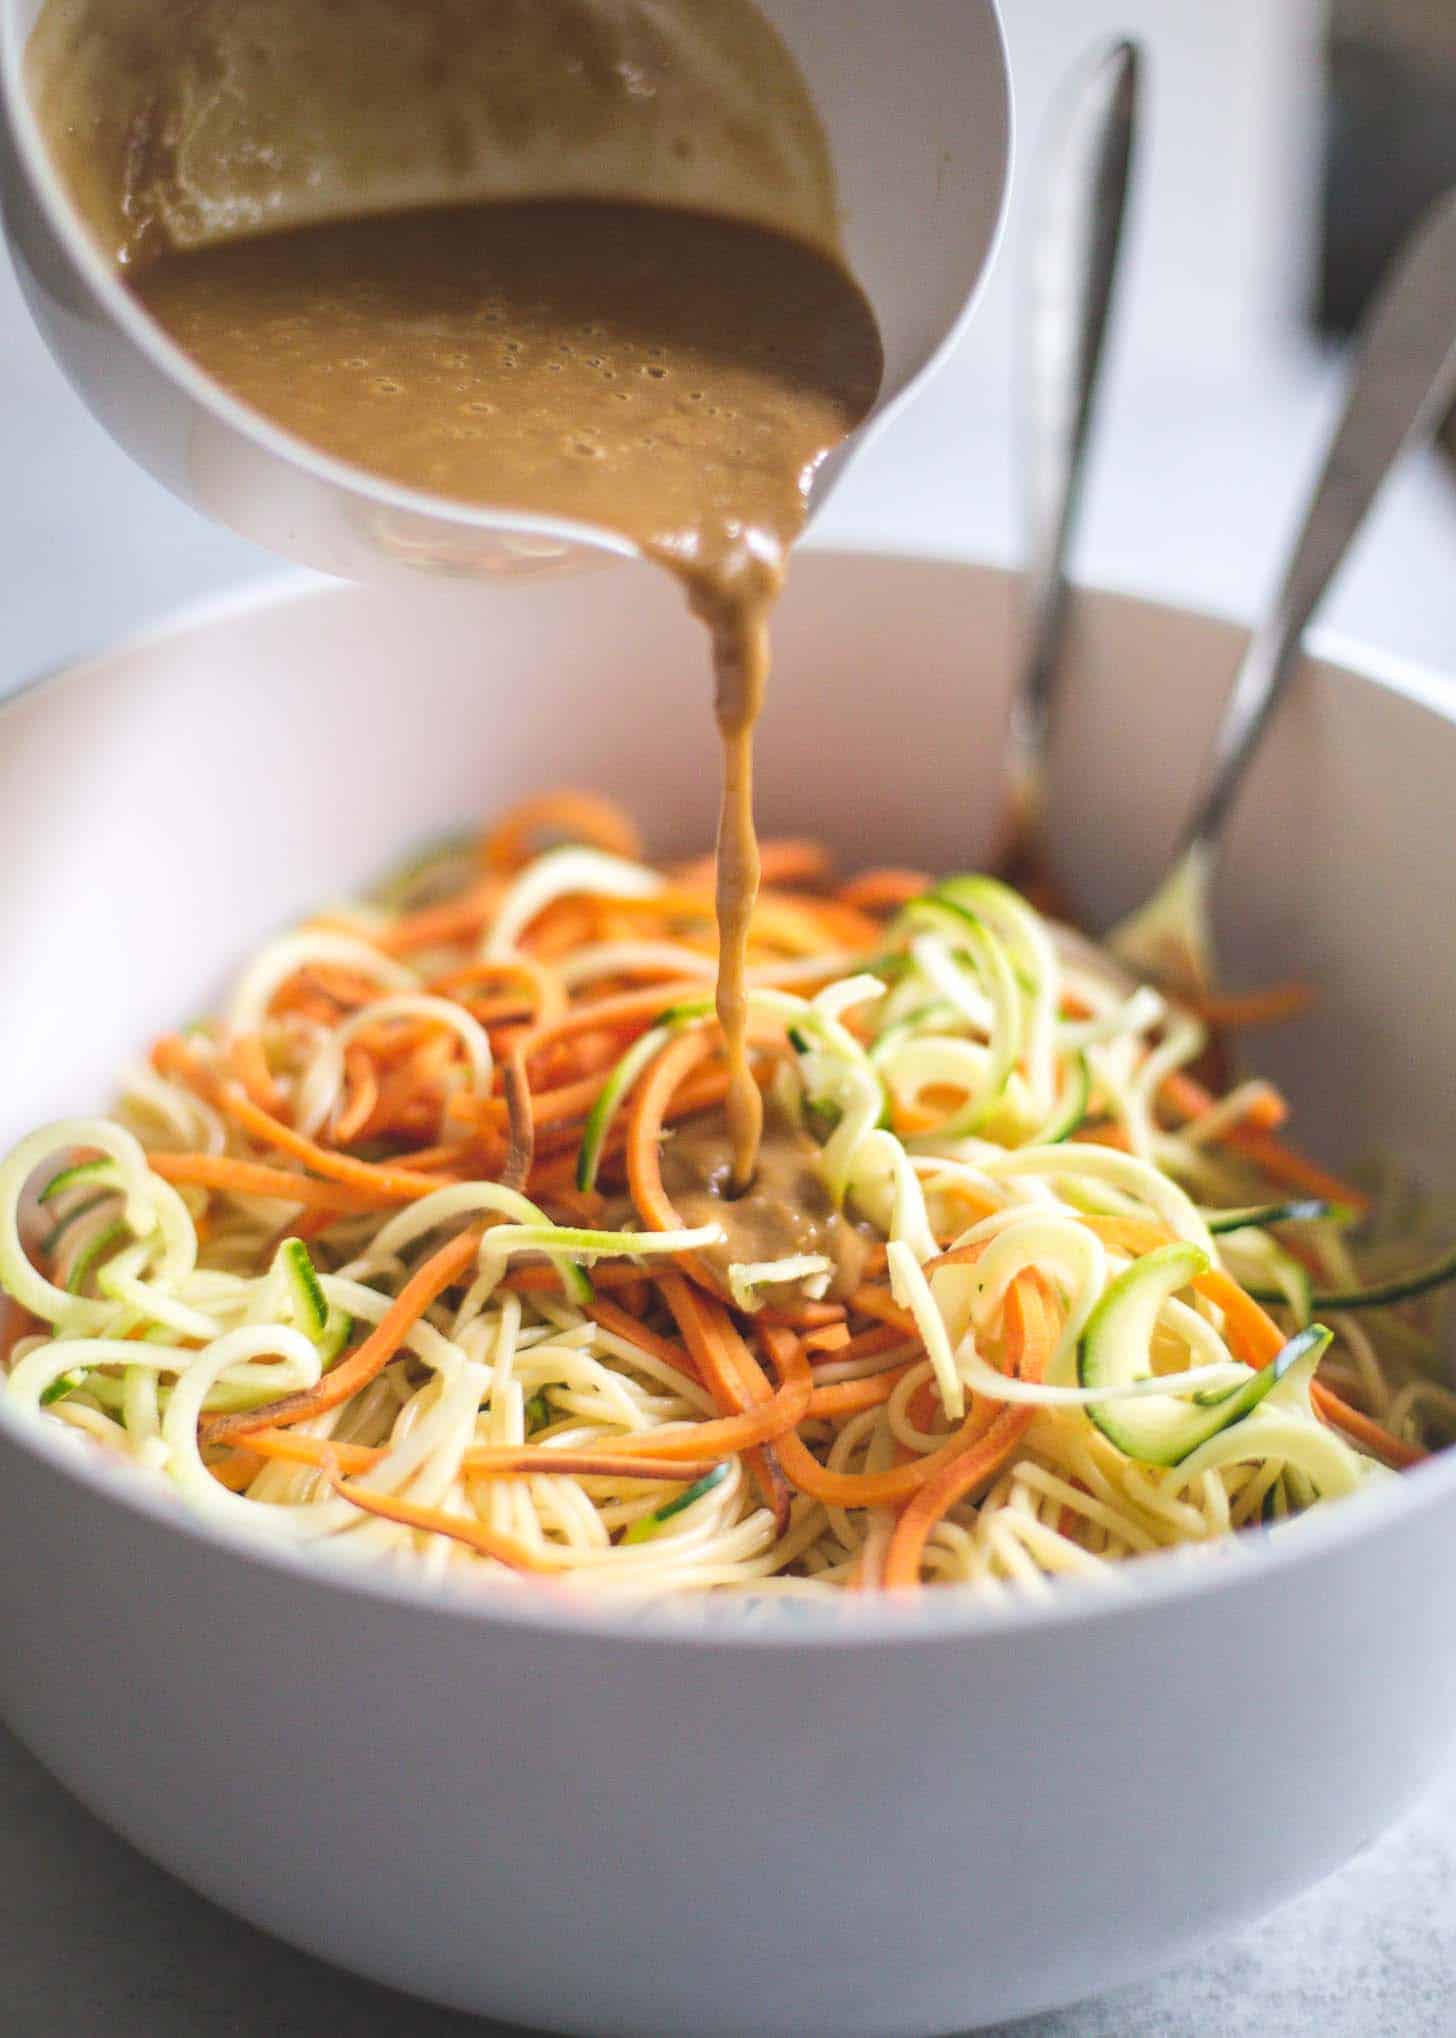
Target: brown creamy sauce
(789, 1212)
(180, 124)
(367, 222)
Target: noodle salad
(390, 1255)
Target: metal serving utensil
(1077, 234)
(1403, 382)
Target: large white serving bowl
(890, 1822)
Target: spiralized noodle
(287, 1281)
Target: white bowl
(885, 1822)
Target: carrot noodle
(251, 1065)
(1180, 1090)
(402, 1184)
(412, 1277)
(433, 1521)
(727, 1367)
(238, 1472)
(439, 926)
(848, 1397)
(363, 1096)
(1275, 1005)
(723, 1361)
(250, 1178)
(635, 1332)
(884, 891)
(811, 1317)
(1362, 1430)
(620, 1463)
(545, 996)
(1286, 1169)
(633, 1010)
(567, 816)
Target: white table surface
(1203, 466)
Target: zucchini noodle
(386, 1257)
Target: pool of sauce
(789, 1211)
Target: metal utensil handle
(1404, 379)
(1077, 236)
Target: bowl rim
(942, 1617)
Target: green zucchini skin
(1114, 1351)
(646, 1526)
(1074, 1107)
(1301, 1210)
(1380, 1294)
(80, 1171)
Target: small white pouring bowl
(915, 100)
(881, 1822)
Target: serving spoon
(1078, 217)
(1403, 382)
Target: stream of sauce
(672, 371)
